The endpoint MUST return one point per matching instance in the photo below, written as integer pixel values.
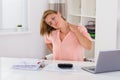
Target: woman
(66, 41)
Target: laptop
(108, 61)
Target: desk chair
(49, 56)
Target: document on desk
(28, 65)
(54, 68)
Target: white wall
(29, 45)
(106, 25)
(118, 26)
(0, 12)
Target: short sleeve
(47, 39)
(84, 31)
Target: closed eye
(53, 18)
(50, 23)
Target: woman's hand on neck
(65, 28)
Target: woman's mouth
(57, 24)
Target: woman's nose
(54, 23)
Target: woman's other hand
(44, 58)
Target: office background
(32, 44)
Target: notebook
(108, 61)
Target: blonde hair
(44, 27)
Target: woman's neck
(65, 29)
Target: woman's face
(54, 20)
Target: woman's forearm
(83, 40)
(50, 47)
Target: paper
(53, 67)
(25, 65)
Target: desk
(10, 74)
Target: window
(13, 15)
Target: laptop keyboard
(93, 69)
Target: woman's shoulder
(79, 26)
(82, 28)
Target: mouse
(65, 65)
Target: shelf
(88, 16)
(15, 33)
(82, 15)
(81, 12)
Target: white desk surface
(10, 74)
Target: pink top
(69, 48)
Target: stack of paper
(24, 65)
